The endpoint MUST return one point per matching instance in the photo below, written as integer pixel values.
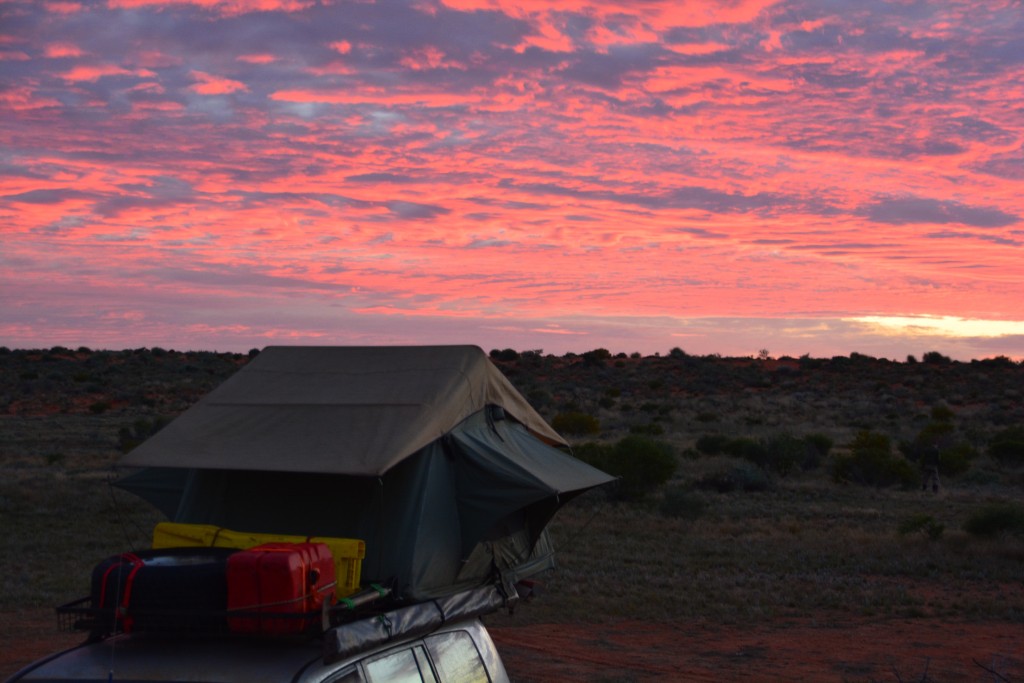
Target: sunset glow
(800, 176)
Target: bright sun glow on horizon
(730, 175)
(943, 326)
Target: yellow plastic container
(348, 552)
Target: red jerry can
(279, 588)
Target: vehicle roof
(143, 657)
(140, 657)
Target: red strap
(125, 557)
(137, 564)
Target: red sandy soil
(789, 650)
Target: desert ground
(733, 569)
(808, 649)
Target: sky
(797, 176)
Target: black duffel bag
(170, 589)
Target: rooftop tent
(426, 453)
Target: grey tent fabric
(343, 410)
(469, 505)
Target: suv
(456, 652)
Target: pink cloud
(20, 99)
(57, 7)
(428, 168)
(208, 84)
(90, 73)
(59, 50)
(226, 7)
(258, 58)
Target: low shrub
(650, 429)
(593, 453)
(821, 443)
(996, 519)
(934, 433)
(956, 460)
(871, 463)
(785, 453)
(641, 463)
(1007, 446)
(748, 449)
(576, 423)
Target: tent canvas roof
(338, 410)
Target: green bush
(1007, 446)
(594, 454)
(818, 447)
(576, 423)
(650, 429)
(748, 449)
(934, 433)
(956, 460)
(642, 465)
(996, 519)
(871, 463)
(785, 453)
